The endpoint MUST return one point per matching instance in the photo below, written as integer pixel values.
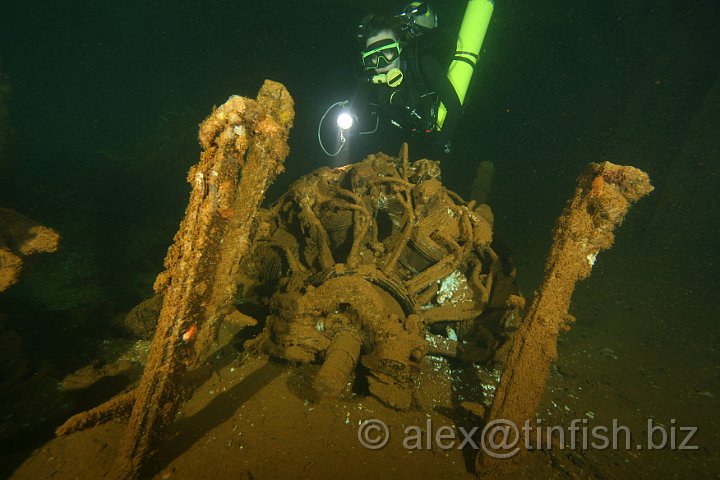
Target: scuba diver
(402, 84)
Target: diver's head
(380, 43)
(418, 18)
(382, 52)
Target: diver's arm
(364, 107)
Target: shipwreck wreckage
(374, 263)
(379, 258)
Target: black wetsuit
(413, 105)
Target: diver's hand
(442, 145)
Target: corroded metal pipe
(341, 358)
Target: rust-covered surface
(364, 270)
(244, 146)
(378, 263)
(586, 227)
(21, 236)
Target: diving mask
(380, 54)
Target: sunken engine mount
(378, 263)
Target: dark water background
(107, 97)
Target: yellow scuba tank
(472, 33)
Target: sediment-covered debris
(482, 185)
(244, 145)
(141, 321)
(586, 227)
(374, 263)
(378, 263)
(20, 237)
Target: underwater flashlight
(345, 120)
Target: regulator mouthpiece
(392, 79)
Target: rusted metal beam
(604, 194)
(244, 146)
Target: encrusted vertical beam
(244, 146)
(601, 200)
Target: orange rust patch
(225, 213)
(190, 334)
(267, 126)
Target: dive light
(345, 120)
